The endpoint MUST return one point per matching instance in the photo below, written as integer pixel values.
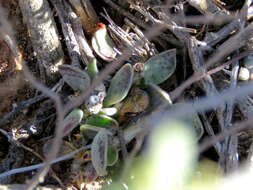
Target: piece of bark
(212, 38)
(85, 49)
(87, 14)
(246, 107)
(197, 60)
(70, 39)
(43, 34)
(231, 161)
(210, 132)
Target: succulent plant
(160, 67)
(77, 79)
(120, 85)
(72, 120)
(136, 102)
(103, 44)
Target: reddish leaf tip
(101, 26)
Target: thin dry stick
(59, 131)
(160, 114)
(37, 166)
(19, 144)
(17, 107)
(238, 127)
(69, 36)
(197, 60)
(126, 53)
(210, 131)
(197, 76)
(223, 33)
(108, 70)
(230, 163)
(226, 48)
(210, 19)
(127, 14)
(165, 113)
(78, 101)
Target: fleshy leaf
(112, 155)
(99, 149)
(92, 68)
(95, 123)
(86, 127)
(102, 43)
(72, 120)
(136, 102)
(120, 85)
(101, 121)
(160, 67)
(109, 111)
(157, 96)
(77, 79)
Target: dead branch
(43, 33)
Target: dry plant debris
(83, 83)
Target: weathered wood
(70, 39)
(87, 14)
(43, 33)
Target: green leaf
(120, 85)
(99, 149)
(112, 155)
(101, 121)
(160, 67)
(92, 68)
(95, 123)
(103, 45)
(72, 120)
(77, 79)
